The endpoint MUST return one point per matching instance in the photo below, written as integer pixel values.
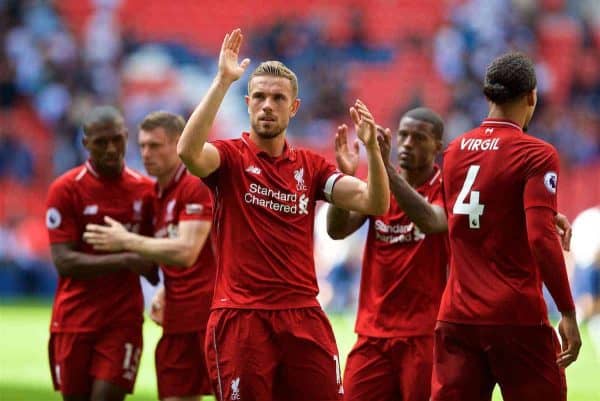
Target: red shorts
(181, 365)
(389, 369)
(469, 360)
(272, 355)
(77, 359)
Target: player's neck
(164, 179)
(107, 173)
(515, 114)
(272, 146)
(417, 177)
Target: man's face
(270, 105)
(417, 144)
(106, 143)
(159, 151)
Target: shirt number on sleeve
(473, 209)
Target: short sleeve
(61, 218)
(326, 175)
(541, 182)
(226, 150)
(196, 202)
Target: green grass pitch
(24, 372)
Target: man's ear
(531, 98)
(295, 106)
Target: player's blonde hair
(275, 69)
(173, 124)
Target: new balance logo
(253, 169)
(90, 210)
(235, 389)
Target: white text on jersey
(472, 144)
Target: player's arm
(546, 250)
(71, 263)
(350, 193)
(428, 217)
(181, 251)
(341, 222)
(202, 158)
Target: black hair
(429, 116)
(102, 115)
(509, 77)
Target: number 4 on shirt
(473, 209)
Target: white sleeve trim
(328, 189)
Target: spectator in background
(586, 253)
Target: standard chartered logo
(279, 201)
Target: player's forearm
(420, 212)
(81, 265)
(378, 188)
(167, 251)
(197, 128)
(341, 222)
(546, 250)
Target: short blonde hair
(173, 124)
(275, 69)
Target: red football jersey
(264, 219)
(188, 290)
(75, 199)
(492, 174)
(403, 273)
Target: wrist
(223, 80)
(373, 147)
(569, 314)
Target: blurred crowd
(53, 70)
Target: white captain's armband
(329, 185)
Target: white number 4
(473, 209)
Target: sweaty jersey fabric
(188, 290)
(75, 199)
(403, 273)
(491, 175)
(263, 225)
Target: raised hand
(364, 124)
(384, 138)
(346, 158)
(229, 68)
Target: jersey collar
(500, 122)
(179, 173)
(289, 153)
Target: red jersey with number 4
(75, 199)
(264, 219)
(188, 290)
(403, 273)
(492, 174)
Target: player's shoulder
(69, 178)
(230, 143)
(455, 143)
(536, 144)
(191, 182)
(136, 178)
